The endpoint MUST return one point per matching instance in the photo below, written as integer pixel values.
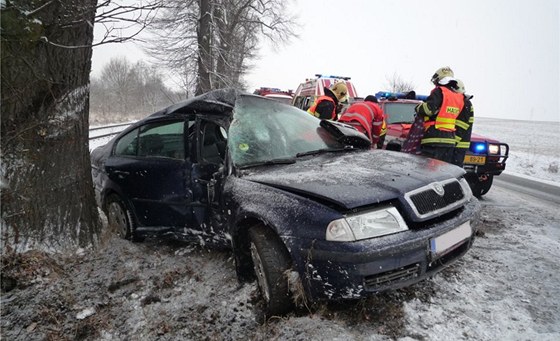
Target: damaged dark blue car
(304, 204)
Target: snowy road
(542, 189)
(507, 287)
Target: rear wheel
(271, 262)
(120, 218)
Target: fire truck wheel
(485, 185)
(479, 186)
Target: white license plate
(448, 240)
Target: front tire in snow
(271, 262)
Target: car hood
(355, 179)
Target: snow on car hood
(355, 179)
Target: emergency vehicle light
(400, 95)
(480, 147)
(318, 75)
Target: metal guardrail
(108, 127)
(111, 126)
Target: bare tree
(211, 41)
(124, 20)
(47, 195)
(397, 84)
(125, 92)
(120, 82)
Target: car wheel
(271, 262)
(485, 185)
(478, 187)
(119, 217)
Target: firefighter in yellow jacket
(326, 106)
(440, 112)
(463, 126)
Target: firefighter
(326, 107)
(367, 117)
(439, 112)
(463, 126)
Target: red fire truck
(276, 94)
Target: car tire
(479, 188)
(120, 218)
(485, 185)
(271, 261)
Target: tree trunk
(204, 36)
(47, 192)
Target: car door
(209, 153)
(151, 169)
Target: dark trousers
(443, 153)
(459, 156)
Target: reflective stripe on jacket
(312, 108)
(383, 128)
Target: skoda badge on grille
(438, 188)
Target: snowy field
(534, 146)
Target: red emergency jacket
(367, 117)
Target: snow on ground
(534, 146)
(507, 286)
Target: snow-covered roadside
(534, 146)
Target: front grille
(376, 281)
(426, 202)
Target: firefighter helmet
(460, 87)
(441, 73)
(340, 91)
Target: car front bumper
(333, 270)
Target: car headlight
(493, 149)
(380, 222)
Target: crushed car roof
(218, 101)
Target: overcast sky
(507, 52)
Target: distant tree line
(126, 91)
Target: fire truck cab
(485, 158)
(275, 94)
(312, 88)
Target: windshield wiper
(279, 161)
(324, 150)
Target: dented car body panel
(231, 160)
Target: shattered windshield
(399, 112)
(264, 131)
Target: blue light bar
(400, 95)
(480, 147)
